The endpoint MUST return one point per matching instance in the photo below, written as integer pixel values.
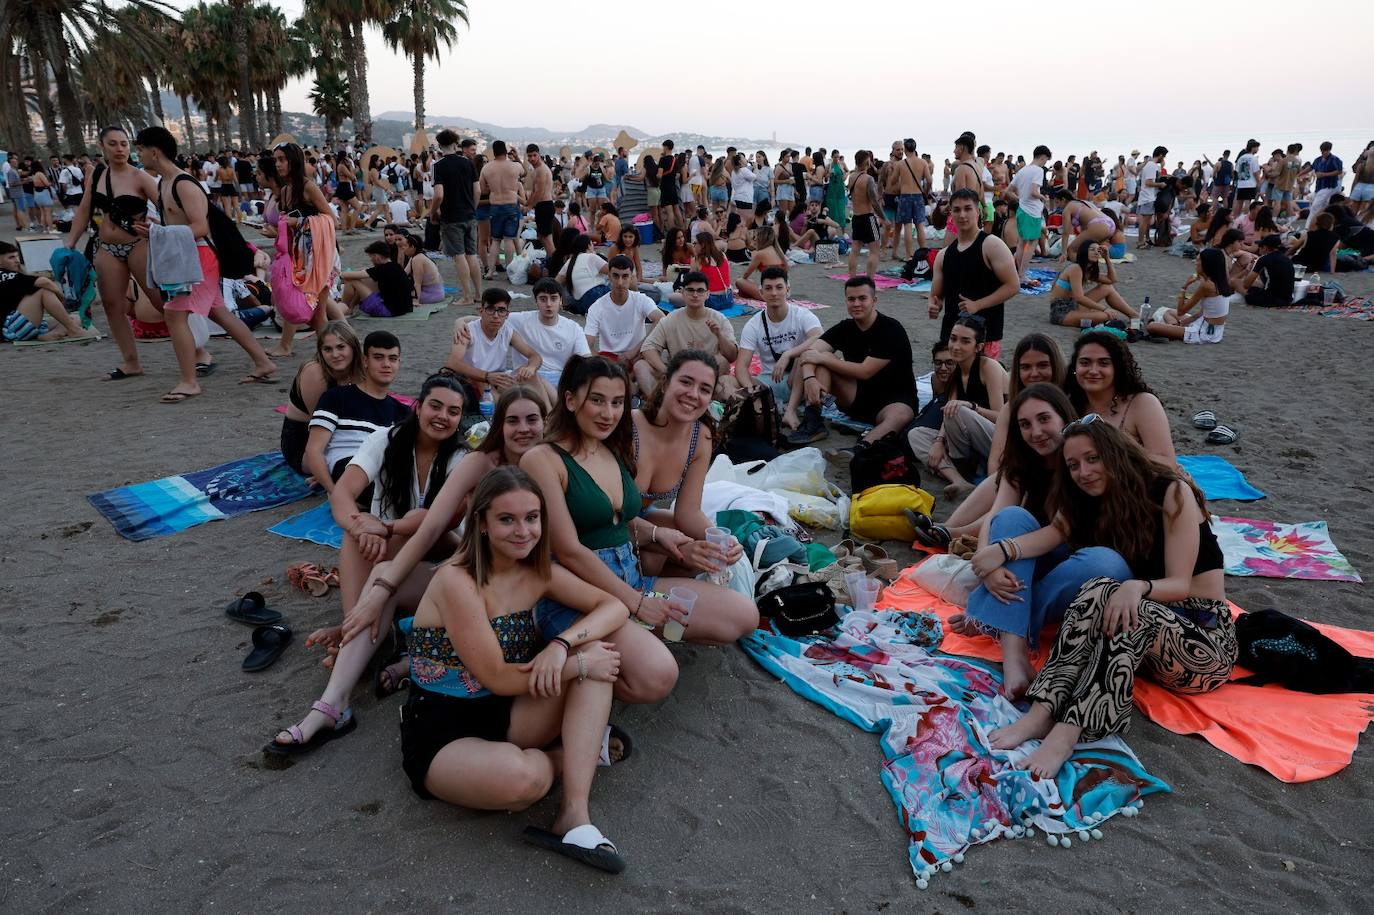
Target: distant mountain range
(589, 136)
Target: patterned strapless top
(436, 666)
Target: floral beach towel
(878, 670)
(1273, 550)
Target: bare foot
(962, 625)
(279, 353)
(1033, 725)
(1055, 750)
(328, 636)
(1017, 672)
(790, 420)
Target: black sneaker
(812, 428)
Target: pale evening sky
(824, 76)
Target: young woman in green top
(586, 470)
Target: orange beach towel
(1296, 737)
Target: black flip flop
(1222, 435)
(930, 535)
(118, 374)
(252, 610)
(268, 644)
(1205, 419)
(603, 856)
(205, 369)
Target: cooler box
(646, 233)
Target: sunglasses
(1084, 422)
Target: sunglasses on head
(1081, 423)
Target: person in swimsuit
(228, 190)
(516, 426)
(587, 468)
(1019, 593)
(1105, 379)
(1203, 303)
(429, 282)
(673, 423)
(121, 194)
(1169, 620)
(298, 199)
(766, 254)
(492, 696)
(1082, 223)
(338, 360)
(1072, 306)
(346, 195)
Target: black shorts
(544, 223)
(227, 190)
(431, 721)
(345, 192)
(865, 227)
(740, 256)
(667, 193)
(1246, 193)
(294, 434)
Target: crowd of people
(517, 579)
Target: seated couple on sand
(588, 496)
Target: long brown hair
(577, 377)
(709, 253)
(1125, 517)
(494, 442)
(651, 406)
(1021, 466)
(1038, 343)
(474, 549)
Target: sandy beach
(133, 778)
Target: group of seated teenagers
(512, 661)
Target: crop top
(436, 666)
(1209, 556)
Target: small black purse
(800, 609)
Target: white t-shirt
(586, 273)
(1247, 170)
(400, 212)
(1207, 172)
(1149, 172)
(759, 333)
(369, 461)
(742, 185)
(485, 354)
(619, 328)
(1031, 176)
(556, 344)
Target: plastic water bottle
(486, 405)
(1144, 315)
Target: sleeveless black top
(1208, 550)
(965, 274)
(977, 391)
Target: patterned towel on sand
(1274, 550)
(877, 671)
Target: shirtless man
(182, 202)
(913, 183)
(1363, 190)
(965, 175)
(890, 183)
(500, 182)
(1000, 176)
(539, 192)
(985, 175)
(868, 213)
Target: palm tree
(353, 16)
(211, 73)
(271, 63)
(330, 98)
(60, 30)
(243, 29)
(418, 27)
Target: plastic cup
(722, 538)
(853, 582)
(683, 599)
(1328, 295)
(867, 596)
(1298, 271)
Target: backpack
(749, 429)
(1280, 649)
(234, 256)
(921, 266)
(888, 460)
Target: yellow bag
(876, 513)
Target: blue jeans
(553, 617)
(1049, 583)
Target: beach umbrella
(625, 140)
(282, 138)
(384, 151)
(419, 143)
(565, 152)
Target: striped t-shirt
(351, 415)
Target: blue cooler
(646, 233)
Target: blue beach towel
(162, 507)
(734, 311)
(1046, 278)
(1218, 478)
(314, 525)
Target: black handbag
(800, 609)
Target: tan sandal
(309, 577)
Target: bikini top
(436, 666)
(295, 396)
(121, 210)
(1209, 555)
(599, 525)
(649, 498)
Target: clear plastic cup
(683, 599)
(853, 581)
(722, 538)
(1328, 295)
(867, 596)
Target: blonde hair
(474, 549)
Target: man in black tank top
(974, 274)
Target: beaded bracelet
(581, 667)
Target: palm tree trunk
(44, 97)
(274, 99)
(350, 56)
(186, 122)
(248, 122)
(59, 54)
(418, 63)
(14, 125)
(331, 135)
(156, 96)
(362, 107)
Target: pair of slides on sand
(1217, 434)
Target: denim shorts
(505, 220)
(553, 618)
(718, 194)
(595, 193)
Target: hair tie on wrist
(562, 641)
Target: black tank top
(1209, 555)
(965, 274)
(977, 392)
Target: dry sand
(133, 779)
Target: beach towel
(313, 257)
(173, 261)
(1046, 278)
(66, 339)
(419, 313)
(798, 303)
(1273, 550)
(74, 272)
(1218, 478)
(1357, 308)
(289, 301)
(877, 671)
(162, 507)
(734, 311)
(1296, 737)
(921, 286)
(315, 525)
(881, 281)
